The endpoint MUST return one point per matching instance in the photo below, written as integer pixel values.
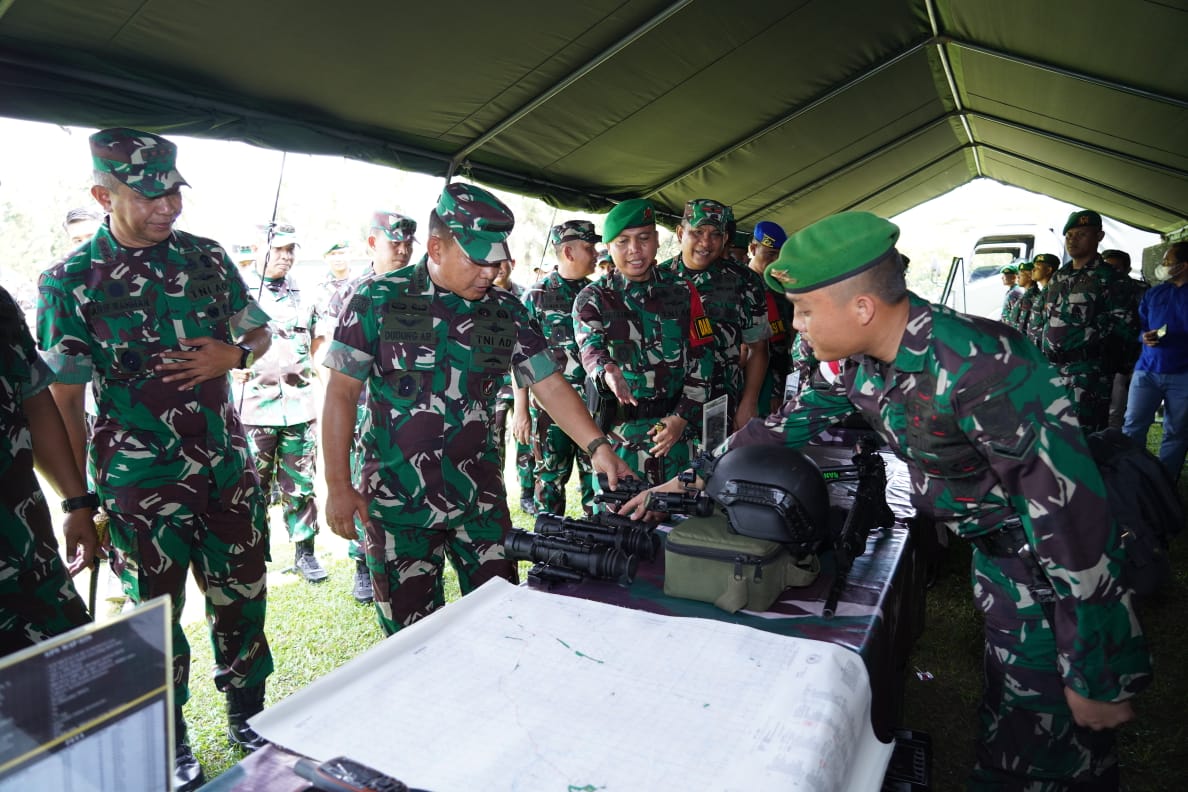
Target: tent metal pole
(569, 80)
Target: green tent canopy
(789, 110)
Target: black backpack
(1144, 502)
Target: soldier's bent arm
(567, 409)
(54, 456)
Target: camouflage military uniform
(1009, 301)
(550, 304)
(735, 300)
(659, 336)
(432, 362)
(1087, 328)
(1038, 317)
(997, 444)
(37, 599)
(1020, 314)
(779, 350)
(171, 466)
(525, 459)
(277, 405)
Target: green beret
(1046, 258)
(1026, 266)
(1083, 217)
(634, 213)
(831, 250)
(1009, 269)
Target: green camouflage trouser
(632, 443)
(226, 548)
(556, 452)
(407, 561)
(290, 454)
(37, 599)
(1027, 737)
(362, 415)
(525, 461)
(1090, 389)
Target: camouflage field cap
(769, 235)
(1026, 266)
(831, 250)
(337, 246)
(479, 221)
(706, 211)
(395, 226)
(570, 230)
(1046, 258)
(283, 235)
(1009, 269)
(1083, 217)
(635, 213)
(145, 162)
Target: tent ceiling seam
(1101, 82)
(951, 81)
(573, 77)
(1081, 144)
(855, 163)
(1081, 178)
(788, 118)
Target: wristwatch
(597, 443)
(248, 358)
(88, 501)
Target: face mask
(1162, 272)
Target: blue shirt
(1165, 305)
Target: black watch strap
(88, 501)
(596, 443)
(248, 356)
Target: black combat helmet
(772, 492)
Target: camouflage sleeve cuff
(534, 369)
(251, 317)
(69, 369)
(355, 363)
(688, 409)
(759, 332)
(40, 377)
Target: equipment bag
(1145, 504)
(704, 560)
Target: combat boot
(362, 592)
(187, 773)
(243, 703)
(307, 564)
(526, 503)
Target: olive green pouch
(705, 561)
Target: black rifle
(567, 560)
(869, 511)
(632, 537)
(691, 501)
